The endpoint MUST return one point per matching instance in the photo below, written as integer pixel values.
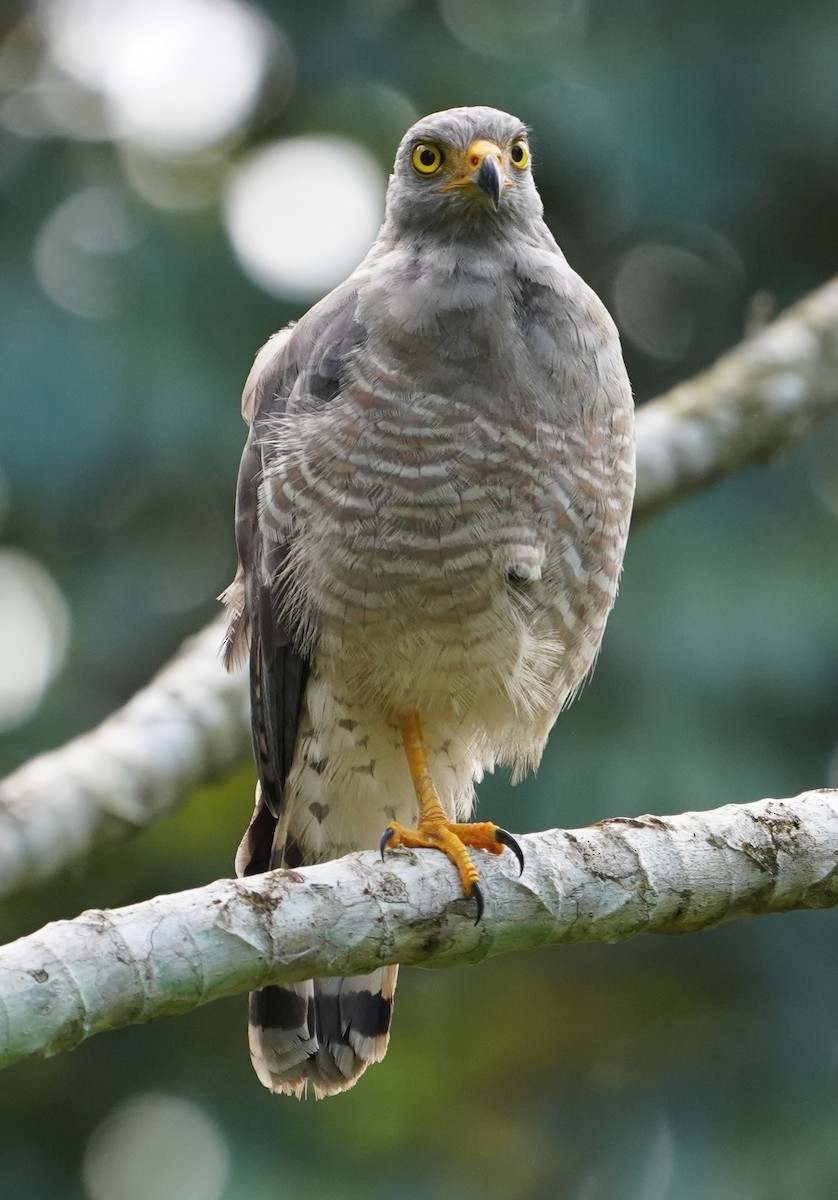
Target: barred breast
(445, 562)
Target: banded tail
(320, 1032)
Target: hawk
(432, 510)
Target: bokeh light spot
(302, 213)
(189, 181)
(656, 291)
(4, 497)
(176, 75)
(495, 28)
(824, 470)
(831, 779)
(34, 632)
(156, 1147)
(74, 251)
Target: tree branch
(606, 883)
(189, 726)
(754, 403)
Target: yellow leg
(434, 830)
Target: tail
(323, 1032)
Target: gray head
(460, 172)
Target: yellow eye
(520, 153)
(427, 158)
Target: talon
(436, 831)
(509, 841)
(386, 837)
(477, 894)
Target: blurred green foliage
(656, 1070)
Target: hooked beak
(490, 178)
(483, 169)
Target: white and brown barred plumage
(432, 512)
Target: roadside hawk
(432, 510)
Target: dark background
(688, 159)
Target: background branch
(189, 725)
(604, 883)
(754, 403)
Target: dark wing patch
(278, 676)
(320, 347)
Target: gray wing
(304, 365)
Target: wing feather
(299, 369)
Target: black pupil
(427, 158)
(517, 153)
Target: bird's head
(464, 168)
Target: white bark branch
(754, 403)
(189, 725)
(605, 883)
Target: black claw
(477, 894)
(386, 838)
(509, 841)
